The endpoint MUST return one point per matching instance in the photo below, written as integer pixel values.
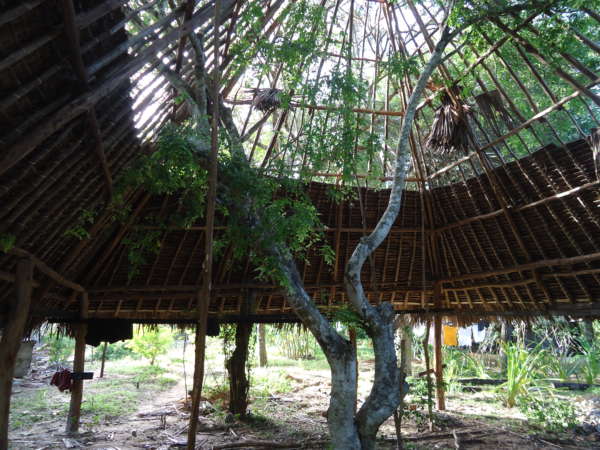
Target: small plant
(550, 413)
(456, 365)
(150, 344)
(564, 367)
(523, 371)
(590, 361)
(59, 348)
(416, 402)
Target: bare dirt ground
(296, 418)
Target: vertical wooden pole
(200, 344)
(428, 374)
(439, 364)
(103, 360)
(11, 340)
(78, 366)
(204, 294)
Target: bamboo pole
(428, 375)
(204, 294)
(439, 364)
(78, 366)
(11, 340)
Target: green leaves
(79, 229)
(173, 167)
(7, 241)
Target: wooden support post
(11, 340)
(78, 366)
(103, 360)
(427, 374)
(200, 350)
(439, 364)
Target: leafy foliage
(80, 229)
(60, 348)
(151, 343)
(549, 412)
(524, 368)
(590, 361)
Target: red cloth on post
(62, 380)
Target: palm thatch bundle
(267, 99)
(491, 106)
(450, 128)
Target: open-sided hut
(500, 214)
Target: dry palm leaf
(450, 128)
(266, 99)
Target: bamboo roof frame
(501, 234)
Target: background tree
(151, 343)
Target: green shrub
(151, 343)
(590, 361)
(564, 367)
(59, 348)
(524, 368)
(550, 413)
(118, 350)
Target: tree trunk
(262, 346)
(343, 430)
(385, 393)
(103, 360)
(236, 366)
(403, 342)
(10, 342)
(506, 336)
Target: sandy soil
(296, 417)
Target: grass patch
(264, 385)
(29, 408)
(100, 407)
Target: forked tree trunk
(348, 431)
(236, 366)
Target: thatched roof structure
(509, 227)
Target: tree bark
(262, 346)
(506, 336)
(403, 341)
(236, 366)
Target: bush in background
(151, 343)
